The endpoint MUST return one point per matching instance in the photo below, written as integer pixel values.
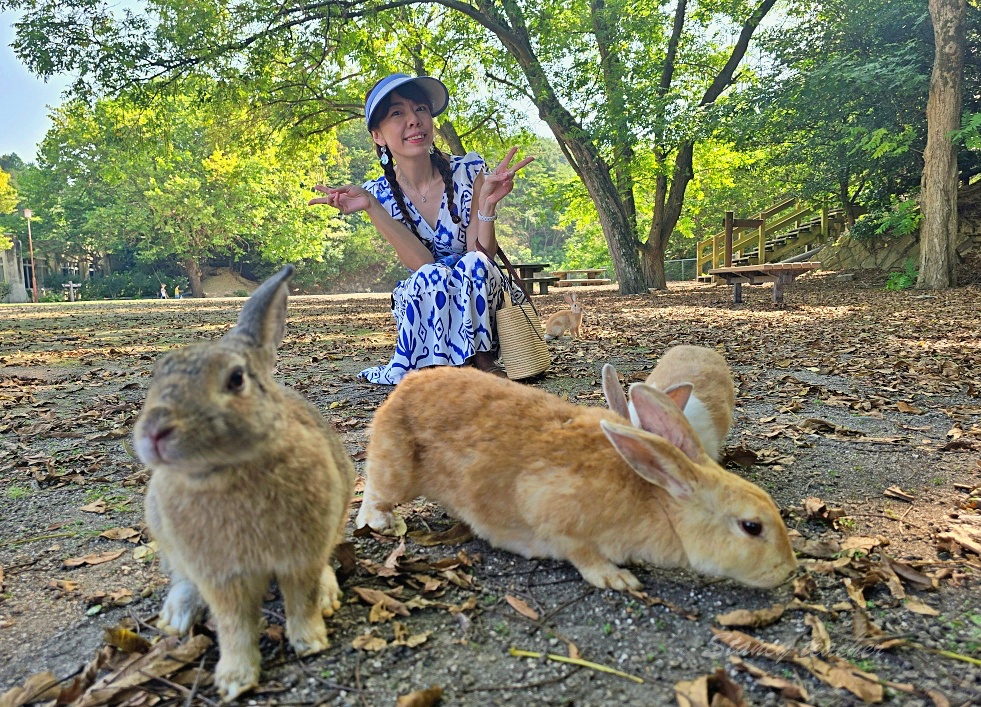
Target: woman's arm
(478, 230)
(488, 190)
(412, 253)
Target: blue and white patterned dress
(445, 311)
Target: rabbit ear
(263, 318)
(657, 413)
(567, 298)
(680, 392)
(654, 458)
(616, 399)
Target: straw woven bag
(522, 341)
(524, 351)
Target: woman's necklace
(422, 195)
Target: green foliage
(970, 133)
(902, 280)
(4, 291)
(842, 113)
(132, 284)
(901, 218)
(8, 195)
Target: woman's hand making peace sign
(499, 182)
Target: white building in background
(12, 272)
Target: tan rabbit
(700, 382)
(249, 483)
(566, 319)
(536, 475)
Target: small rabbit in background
(566, 319)
(248, 483)
(579, 483)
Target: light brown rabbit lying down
(698, 379)
(534, 474)
(249, 483)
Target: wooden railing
(740, 237)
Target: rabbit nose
(158, 438)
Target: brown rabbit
(249, 483)
(700, 381)
(571, 319)
(573, 483)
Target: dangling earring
(432, 149)
(384, 156)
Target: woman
(438, 213)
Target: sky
(24, 99)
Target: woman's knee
(480, 268)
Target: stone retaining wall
(889, 254)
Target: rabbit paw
(308, 640)
(182, 608)
(610, 577)
(330, 592)
(384, 522)
(235, 677)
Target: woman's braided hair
(413, 93)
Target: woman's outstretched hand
(499, 182)
(347, 199)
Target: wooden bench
(543, 281)
(589, 276)
(780, 274)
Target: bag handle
(514, 275)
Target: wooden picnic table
(527, 270)
(586, 276)
(527, 273)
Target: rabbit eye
(236, 381)
(751, 527)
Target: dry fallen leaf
(380, 614)
(369, 642)
(64, 585)
(898, 493)
(404, 638)
(822, 549)
(37, 688)
(715, 690)
(838, 673)
(756, 618)
(804, 586)
(165, 658)
(919, 607)
(521, 607)
(94, 559)
(815, 508)
(788, 690)
(98, 506)
(125, 640)
(820, 640)
(421, 698)
(457, 535)
(862, 544)
(375, 596)
(128, 534)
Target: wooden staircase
(782, 231)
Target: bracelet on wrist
(481, 217)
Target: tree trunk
(667, 211)
(938, 188)
(447, 131)
(194, 276)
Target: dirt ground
(857, 409)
